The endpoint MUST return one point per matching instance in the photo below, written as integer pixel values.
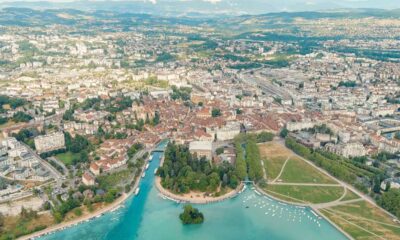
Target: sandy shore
(194, 197)
(78, 220)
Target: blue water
(248, 216)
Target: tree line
(355, 173)
(365, 178)
(248, 160)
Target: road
(138, 155)
(335, 203)
(59, 163)
(306, 184)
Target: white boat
(137, 191)
(314, 214)
(147, 166)
(151, 158)
(144, 174)
(155, 171)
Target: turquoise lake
(247, 216)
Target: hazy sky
(248, 6)
(361, 2)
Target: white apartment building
(50, 142)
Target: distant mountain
(17, 16)
(207, 7)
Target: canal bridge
(160, 147)
(247, 182)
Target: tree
(3, 120)
(46, 205)
(349, 84)
(134, 149)
(391, 201)
(78, 212)
(21, 117)
(68, 115)
(284, 132)
(377, 185)
(76, 144)
(57, 216)
(264, 137)
(181, 93)
(254, 166)
(84, 156)
(156, 119)
(219, 150)
(13, 102)
(340, 167)
(183, 172)
(216, 112)
(1, 222)
(387, 188)
(241, 168)
(191, 215)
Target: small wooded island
(191, 215)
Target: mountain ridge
(193, 7)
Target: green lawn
(274, 156)
(350, 229)
(67, 157)
(298, 171)
(363, 221)
(350, 196)
(112, 180)
(308, 194)
(273, 166)
(365, 210)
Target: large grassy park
(294, 179)
(274, 156)
(363, 220)
(305, 194)
(309, 174)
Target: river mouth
(248, 215)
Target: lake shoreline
(261, 191)
(109, 208)
(196, 199)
